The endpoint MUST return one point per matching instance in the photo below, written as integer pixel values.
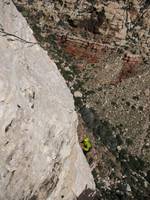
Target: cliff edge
(40, 157)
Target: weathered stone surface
(39, 153)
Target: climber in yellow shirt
(86, 144)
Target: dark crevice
(8, 126)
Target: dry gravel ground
(102, 49)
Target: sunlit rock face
(39, 153)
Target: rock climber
(86, 144)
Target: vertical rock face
(102, 49)
(39, 153)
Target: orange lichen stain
(129, 68)
(87, 53)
